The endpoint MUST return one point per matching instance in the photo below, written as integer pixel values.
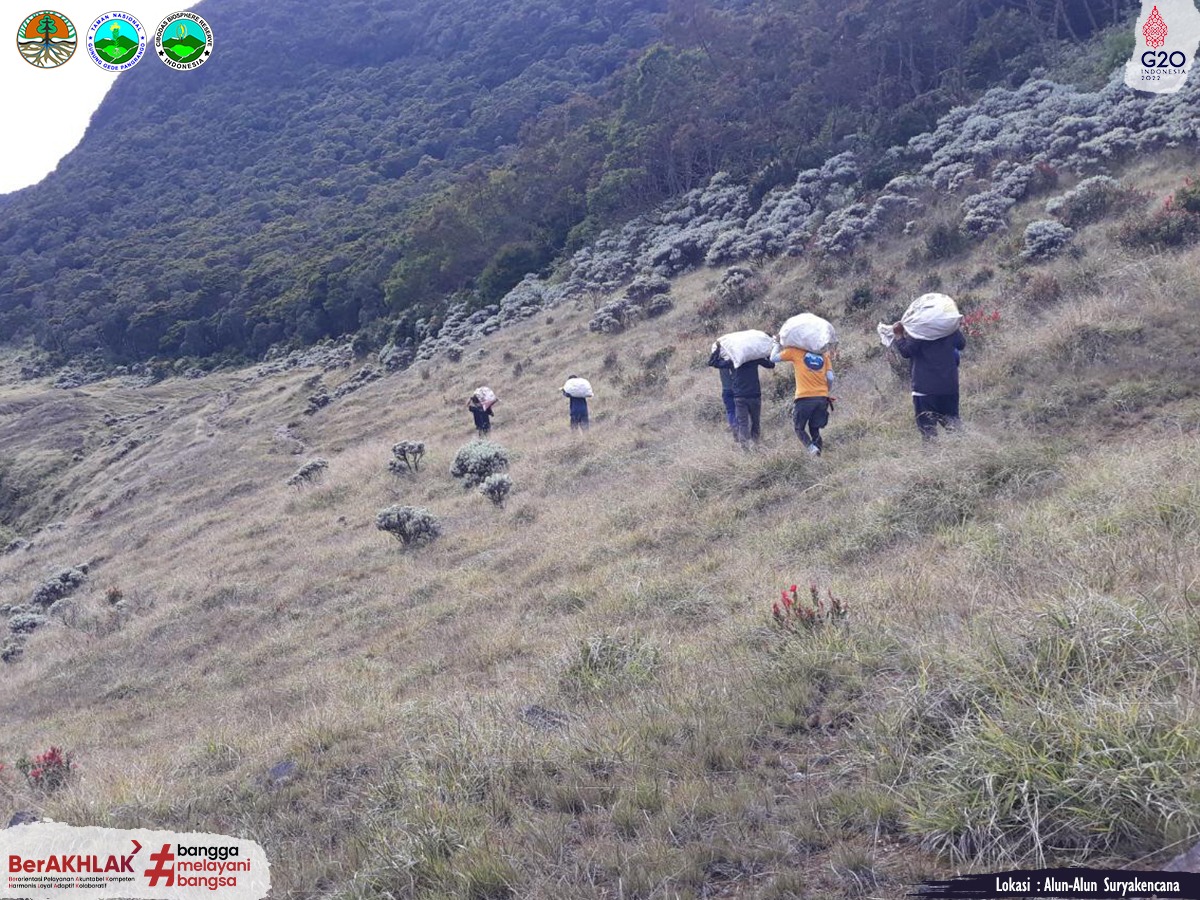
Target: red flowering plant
(979, 324)
(47, 771)
(791, 613)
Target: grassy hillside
(583, 694)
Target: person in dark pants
(747, 395)
(814, 378)
(727, 397)
(482, 415)
(934, 379)
(578, 410)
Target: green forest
(356, 170)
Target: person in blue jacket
(934, 366)
(747, 394)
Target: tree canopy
(369, 160)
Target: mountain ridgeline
(348, 166)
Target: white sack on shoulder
(741, 346)
(931, 316)
(486, 396)
(808, 332)
(578, 387)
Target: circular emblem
(183, 41)
(116, 41)
(47, 39)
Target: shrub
(1170, 226)
(61, 585)
(1045, 239)
(13, 647)
(407, 457)
(1187, 197)
(47, 771)
(25, 622)
(862, 297)
(1090, 200)
(310, 473)
(646, 286)
(741, 286)
(496, 488)
(1043, 289)
(477, 461)
(944, 240)
(409, 525)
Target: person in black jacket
(747, 394)
(934, 378)
(481, 414)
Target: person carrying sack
(814, 378)
(747, 394)
(934, 378)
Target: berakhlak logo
(1162, 55)
(183, 40)
(48, 859)
(47, 39)
(1155, 30)
(116, 41)
(161, 869)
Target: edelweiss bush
(406, 457)
(310, 473)
(496, 488)
(410, 525)
(1089, 201)
(1045, 239)
(477, 461)
(61, 585)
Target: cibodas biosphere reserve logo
(116, 41)
(183, 40)
(47, 39)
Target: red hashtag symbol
(159, 871)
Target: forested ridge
(349, 166)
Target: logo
(183, 41)
(814, 361)
(47, 39)
(161, 869)
(1162, 56)
(116, 41)
(90, 863)
(1155, 30)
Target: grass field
(583, 694)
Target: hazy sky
(73, 90)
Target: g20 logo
(1164, 59)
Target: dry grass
(690, 750)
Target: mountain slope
(583, 694)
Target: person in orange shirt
(814, 378)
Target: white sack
(931, 316)
(578, 387)
(486, 396)
(807, 332)
(740, 346)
